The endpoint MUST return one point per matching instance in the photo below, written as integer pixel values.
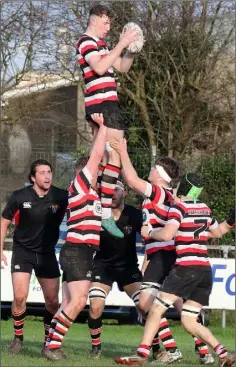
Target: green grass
(116, 339)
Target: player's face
(102, 25)
(118, 198)
(43, 177)
(153, 175)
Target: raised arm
(97, 150)
(128, 171)
(89, 50)
(123, 64)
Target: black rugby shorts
(193, 283)
(159, 266)
(112, 114)
(76, 262)
(45, 265)
(108, 274)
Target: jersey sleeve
(214, 224)
(87, 47)
(11, 207)
(175, 215)
(155, 193)
(82, 182)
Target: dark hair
(81, 163)
(190, 181)
(170, 165)
(34, 165)
(100, 10)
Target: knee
(51, 303)
(157, 309)
(20, 299)
(97, 299)
(78, 303)
(95, 310)
(144, 305)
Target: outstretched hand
(98, 118)
(119, 145)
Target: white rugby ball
(137, 45)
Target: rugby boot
(110, 226)
(166, 358)
(15, 346)
(53, 354)
(229, 361)
(207, 359)
(95, 353)
(157, 354)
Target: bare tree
(178, 95)
(181, 83)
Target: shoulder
(59, 193)
(85, 38)
(132, 211)
(21, 193)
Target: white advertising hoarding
(222, 296)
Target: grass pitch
(116, 340)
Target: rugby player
(115, 262)
(97, 62)
(82, 241)
(37, 211)
(189, 221)
(160, 255)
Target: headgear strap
(163, 173)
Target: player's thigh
(78, 291)
(132, 288)
(20, 284)
(22, 264)
(50, 288)
(152, 279)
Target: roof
(38, 82)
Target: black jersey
(121, 251)
(37, 219)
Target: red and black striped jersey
(194, 220)
(84, 211)
(157, 203)
(98, 88)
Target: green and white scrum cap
(190, 186)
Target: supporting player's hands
(119, 145)
(145, 230)
(129, 36)
(3, 260)
(98, 118)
